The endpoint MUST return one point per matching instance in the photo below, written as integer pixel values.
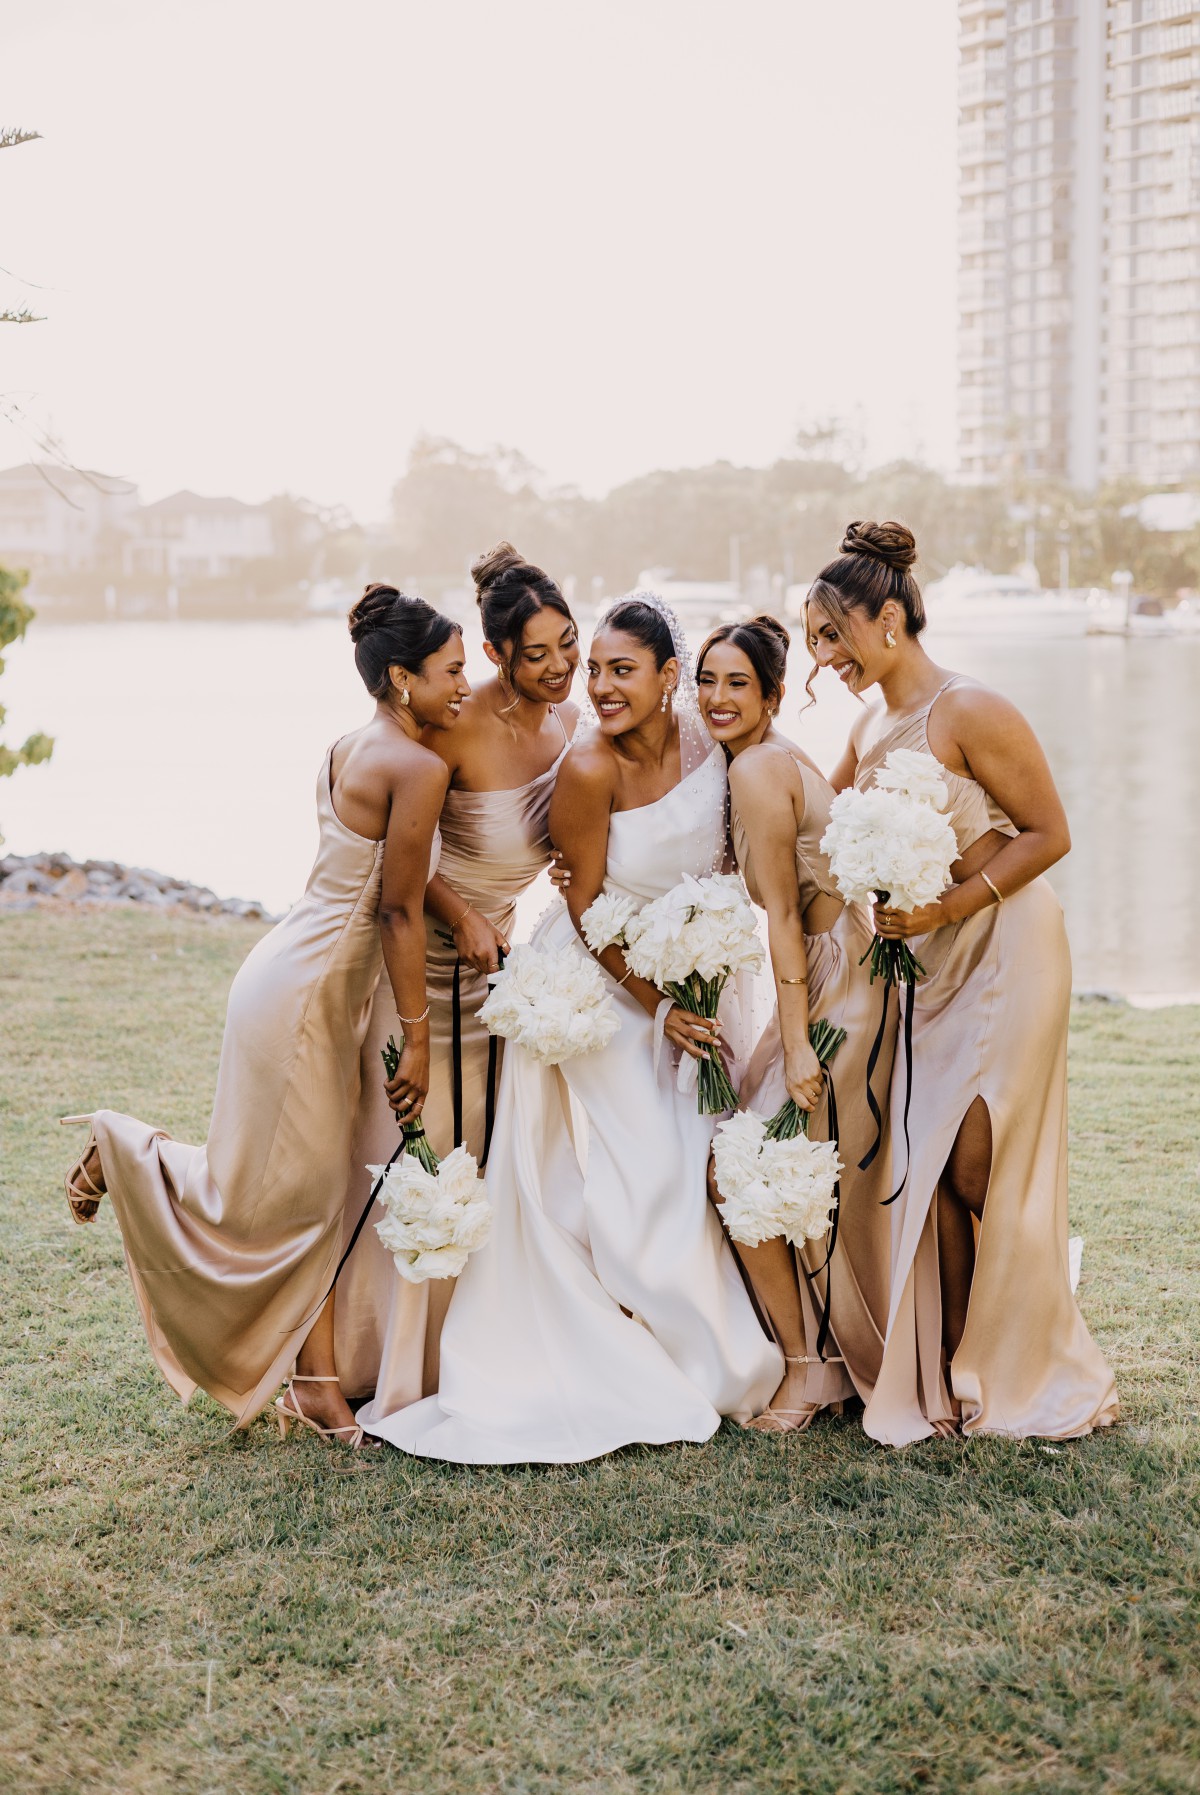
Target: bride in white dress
(606, 1308)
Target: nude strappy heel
(289, 1417)
(83, 1196)
(794, 1421)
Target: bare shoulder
(766, 764)
(411, 766)
(970, 707)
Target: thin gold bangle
(802, 981)
(628, 975)
(411, 1021)
(457, 925)
(994, 889)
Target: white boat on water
(972, 601)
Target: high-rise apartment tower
(1079, 239)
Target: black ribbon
(872, 1062)
(908, 1004)
(825, 1304)
(489, 1107)
(358, 1228)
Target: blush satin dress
(493, 846)
(606, 1308)
(990, 1020)
(232, 1246)
(839, 990)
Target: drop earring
(404, 697)
(666, 698)
(889, 641)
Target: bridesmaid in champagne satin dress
(780, 802)
(503, 760)
(232, 1246)
(605, 1308)
(983, 1329)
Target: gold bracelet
(628, 975)
(994, 889)
(454, 926)
(802, 981)
(411, 1021)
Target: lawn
(187, 1611)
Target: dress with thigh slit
(855, 1286)
(231, 1246)
(989, 1021)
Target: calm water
(194, 747)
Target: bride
(606, 1308)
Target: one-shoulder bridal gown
(606, 1308)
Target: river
(193, 748)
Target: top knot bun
(372, 611)
(892, 543)
(771, 626)
(492, 567)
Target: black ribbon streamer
(489, 1111)
(825, 1304)
(872, 1062)
(358, 1228)
(908, 1004)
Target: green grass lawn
(187, 1611)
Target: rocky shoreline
(28, 880)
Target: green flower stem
(789, 1119)
(714, 1088)
(416, 1141)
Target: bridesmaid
(232, 1246)
(779, 811)
(502, 761)
(983, 1330)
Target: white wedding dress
(606, 1308)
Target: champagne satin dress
(232, 1246)
(606, 1308)
(839, 990)
(990, 1020)
(493, 846)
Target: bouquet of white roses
(553, 1002)
(689, 942)
(435, 1211)
(892, 843)
(773, 1179)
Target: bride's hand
(479, 944)
(406, 1092)
(683, 1028)
(802, 1077)
(901, 925)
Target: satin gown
(606, 1307)
(990, 1020)
(493, 846)
(839, 990)
(232, 1246)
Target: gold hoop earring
(889, 641)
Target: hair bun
(491, 567)
(770, 626)
(892, 543)
(372, 610)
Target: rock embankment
(27, 880)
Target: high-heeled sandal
(289, 1418)
(83, 1195)
(794, 1421)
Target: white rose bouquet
(553, 1002)
(689, 942)
(435, 1211)
(773, 1179)
(892, 843)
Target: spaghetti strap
(554, 713)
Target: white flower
(736, 1146)
(432, 1221)
(603, 922)
(703, 926)
(916, 775)
(880, 840)
(553, 1002)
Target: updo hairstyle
(647, 626)
(509, 591)
(873, 566)
(765, 642)
(389, 629)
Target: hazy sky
(284, 236)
